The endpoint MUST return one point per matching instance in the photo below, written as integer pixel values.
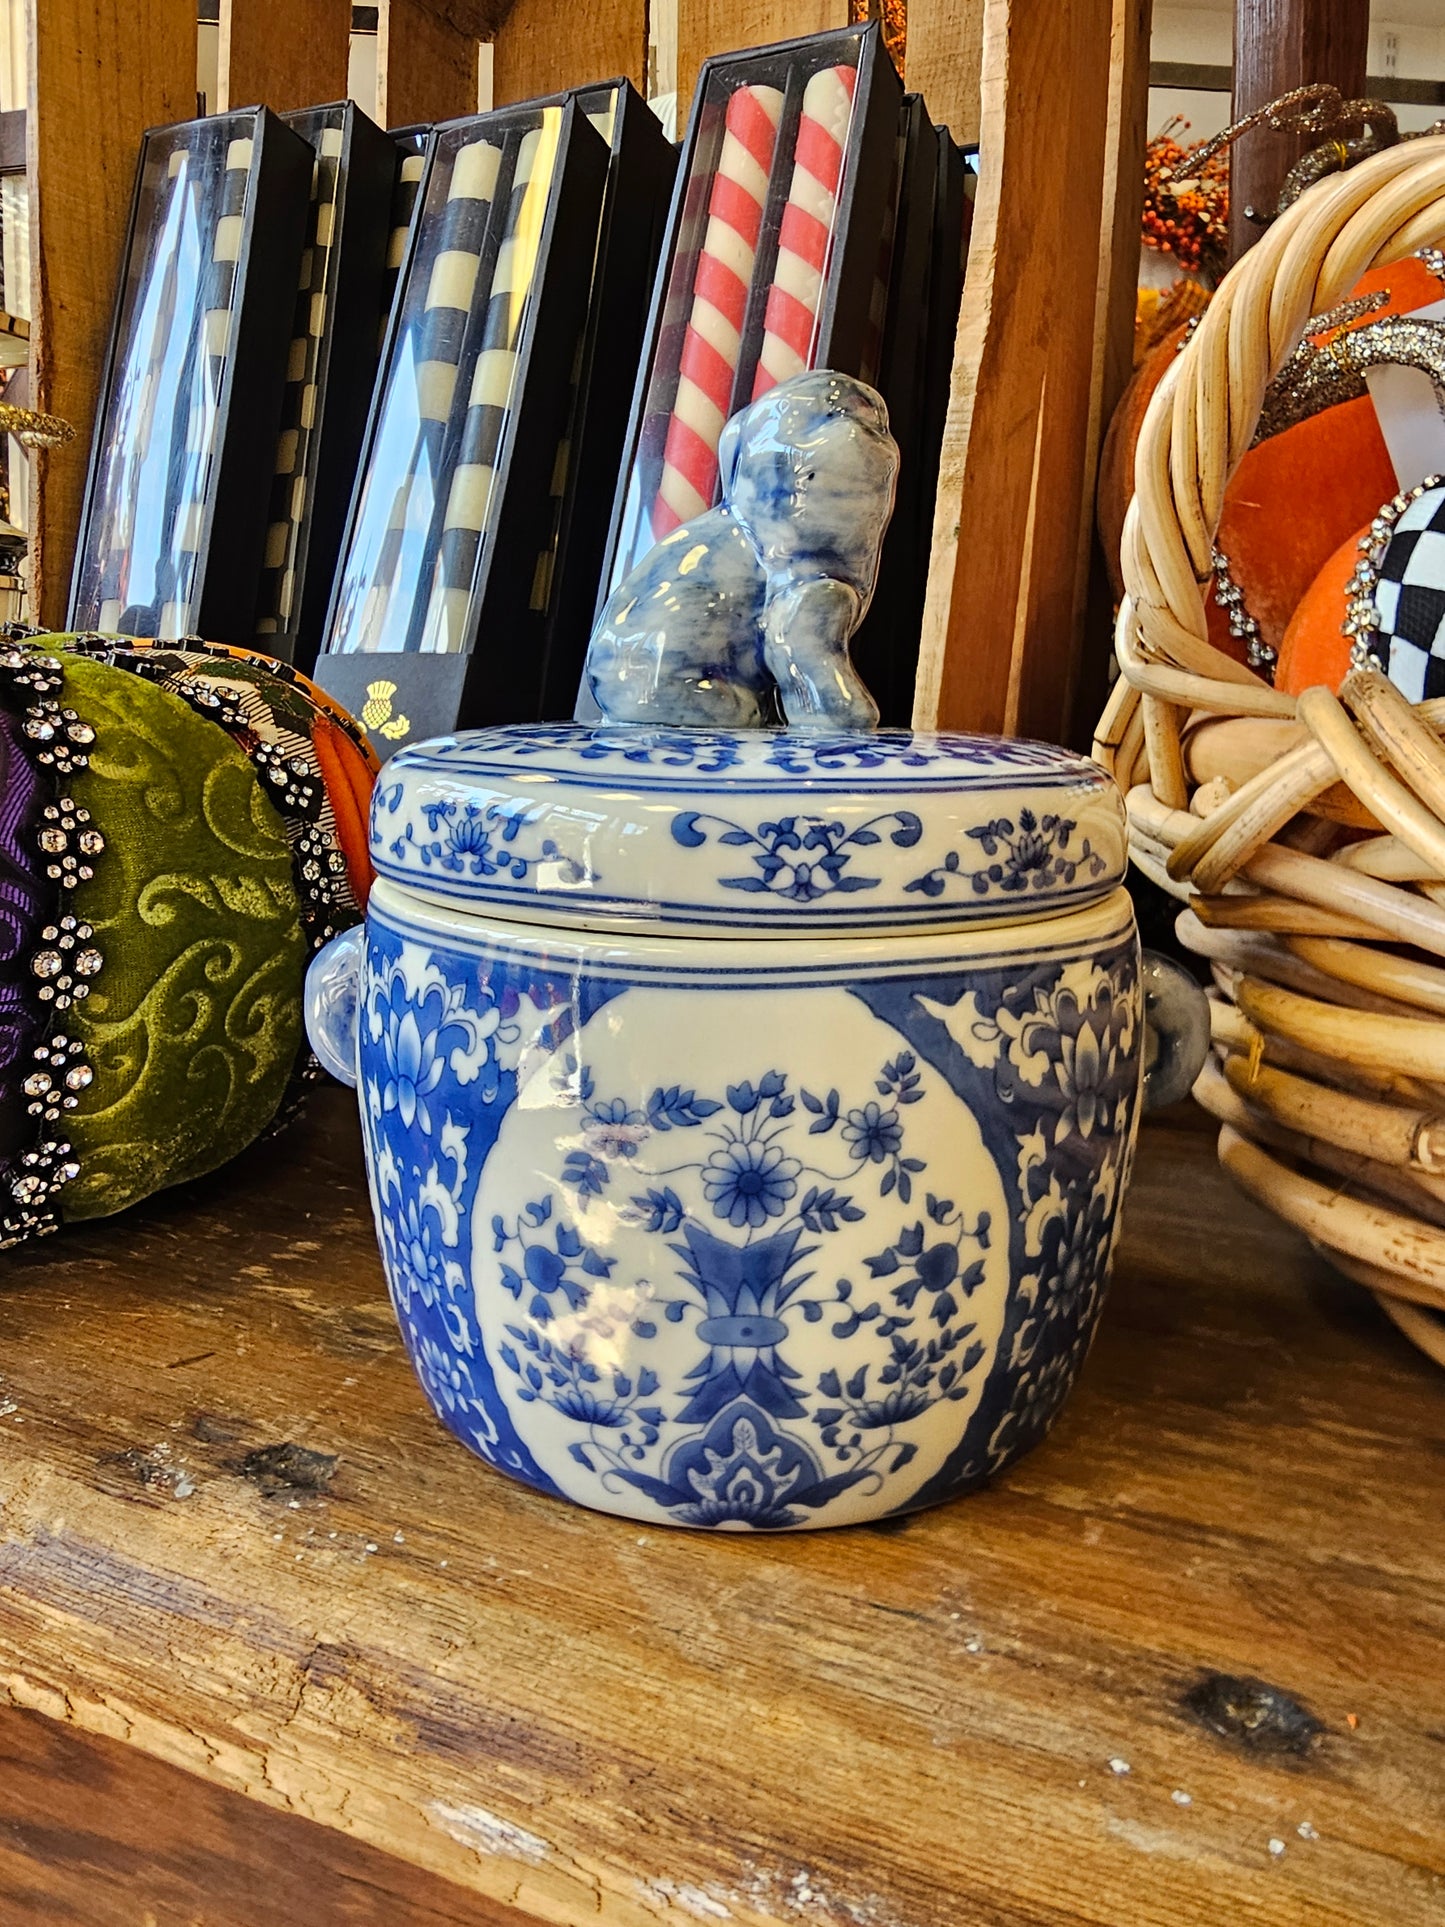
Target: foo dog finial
(749, 608)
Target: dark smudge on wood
(1253, 1714)
(212, 1430)
(288, 1468)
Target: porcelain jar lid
(763, 832)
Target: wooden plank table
(303, 1660)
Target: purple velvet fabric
(24, 895)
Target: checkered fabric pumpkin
(1405, 631)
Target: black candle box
(840, 324)
(190, 406)
(331, 366)
(453, 497)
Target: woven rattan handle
(1330, 1080)
(1201, 421)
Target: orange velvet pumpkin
(1315, 648)
(1294, 499)
(1407, 285)
(1116, 463)
(1290, 504)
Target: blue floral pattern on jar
(682, 831)
(749, 1297)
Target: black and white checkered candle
(1396, 610)
(469, 493)
(331, 367)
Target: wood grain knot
(288, 1468)
(1253, 1714)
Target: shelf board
(574, 1718)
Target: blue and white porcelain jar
(747, 1117)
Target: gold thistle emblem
(376, 712)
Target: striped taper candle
(433, 350)
(176, 616)
(790, 321)
(403, 206)
(713, 341)
(291, 483)
(490, 397)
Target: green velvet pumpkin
(193, 1022)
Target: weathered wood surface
(706, 27)
(288, 56)
(945, 55)
(544, 46)
(428, 58)
(1002, 619)
(1114, 316)
(100, 73)
(911, 1727)
(94, 1833)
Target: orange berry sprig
(1186, 210)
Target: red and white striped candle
(713, 341)
(790, 321)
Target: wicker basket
(1328, 1076)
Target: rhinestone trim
(1362, 618)
(67, 958)
(1261, 656)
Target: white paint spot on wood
(487, 1833)
(1121, 1767)
(1167, 1842)
(1306, 1831)
(689, 1899)
(1181, 1798)
(1276, 1848)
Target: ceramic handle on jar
(333, 985)
(1176, 1030)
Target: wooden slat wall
(545, 45)
(718, 26)
(1058, 98)
(426, 62)
(101, 71)
(1116, 304)
(945, 57)
(1004, 603)
(289, 55)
